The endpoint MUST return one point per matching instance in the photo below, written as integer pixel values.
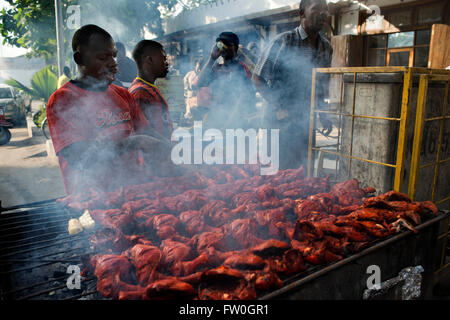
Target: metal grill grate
(35, 252)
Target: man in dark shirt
(127, 70)
(283, 76)
(229, 80)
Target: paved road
(26, 174)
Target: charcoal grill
(36, 251)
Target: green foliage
(43, 83)
(31, 23)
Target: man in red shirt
(91, 121)
(152, 64)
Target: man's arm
(206, 73)
(262, 87)
(265, 69)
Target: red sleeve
(64, 121)
(140, 122)
(247, 71)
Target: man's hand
(215, 52)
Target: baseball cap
(229, 37)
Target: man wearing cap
(283, 77)
(229, 80)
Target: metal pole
(59, 36)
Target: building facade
(363, 33)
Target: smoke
(233, 101)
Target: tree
(43, 84)
(31, 23)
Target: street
(26, 173)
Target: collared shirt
(286, 66)
(78, 115)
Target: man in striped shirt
(283, 77)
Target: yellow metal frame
(408, 74)
(426, 77)
(418, 135)
(407, 82)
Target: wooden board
(347, 51)
(439, 47)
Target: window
(401, 39)
(401, 18)
(409, 48)
(430, 13)
(5, 93)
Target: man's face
(315, 15)
(230, 52)
(99, 59)
(159, 64)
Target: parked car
(13, 104)
(5, 134)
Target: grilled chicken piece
(217, 213)
(264, 279)
(244, 233)
(169, 289)
(309, 210)
(224, 283)
(306, 230)
(192, 279)
(372, 214)
(271, 247)
(215, 239)
(294, 261)
(188, 200)
(186, 268)
(146, 260)
(348, 193)
(316, 252)
(194, 222)
(109, 240)
(173, 251)
(216, 257)
(394, 196)
(164, 225)
(116, 218)
(282, 230)
(244, 261)
(110, 271)
(269, 216)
